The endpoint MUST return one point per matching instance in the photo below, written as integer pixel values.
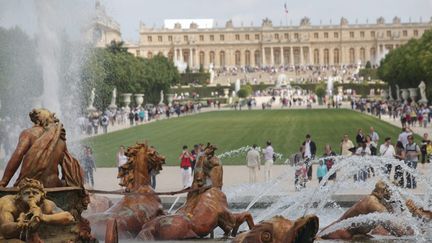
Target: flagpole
(286, 13)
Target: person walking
(360, 137)
(364, 150)
(89, 165)
(185, 165)
(253, 163)
(268, 158)
(387, 151)
(374, 140)
(400, 155)
(121, 157)
(403, 136)
(423, 148)
(104, 123)
(412, 152)
(329, 160)
(309, 154)
(321, 170)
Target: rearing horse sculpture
(141, 204)
(205, 209)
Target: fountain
(330, 86)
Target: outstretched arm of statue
(16, 158)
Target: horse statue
(140, 203)
(205, 209)
(281, 230)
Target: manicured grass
(232, 130)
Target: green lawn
(232, 130)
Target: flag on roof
(285, 7)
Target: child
(321, 171)
(300, 176)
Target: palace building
(199, 42)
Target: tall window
(211, 37)
(212, 57)
(170, 38)
(296, 36)
(416, 33)
(372, 34)
(316, 35)
(336, 35)
(257, 57)
(247, 58)
(388, 33)
(316, 57)
(352, 56)
(247, 37)
(201, 38)
(405, 33)
(237, 58)
(149, 54)
(362, 34)
(326, 35)
(336, 56)
(276, 36)
(326, 57)
(237, 37)
(362, 55)
(257, 37)
(352, 34)
(149, 38)
(222, 58)
(185, 38)
(160, 38)
(222, 37)
(286, 36)
(201, 58)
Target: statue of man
(397, 93)
(161, 98)
(92, 97)
(40, 150)
(21, 214)
(114, 96)
(422, 88)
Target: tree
(368, 65)
(320, 91)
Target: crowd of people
(94, 121)
(305, 73)
(405, 150)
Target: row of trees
(110, 67)
(409, 64)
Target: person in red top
(186, 167)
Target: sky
(129, 13)
(152, 12)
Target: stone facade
(104, 29)
(270, 45)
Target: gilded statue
(40, 151)
(22, 215)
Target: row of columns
(292, 52)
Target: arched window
(362, 55)
(201, 58)
(149, 54)
(336, 56)
(212, 57)
(326, 57)
(237, 58)
(351, 56)
(257, 58)
(171, 55)
(222, 58)
(373, 55)
(247, 58)
(316, 57)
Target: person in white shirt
(253, 163)
(363, 150)
(403, 136)
(374, 137)
(387, 151)
(121, 157)
(268, 158)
